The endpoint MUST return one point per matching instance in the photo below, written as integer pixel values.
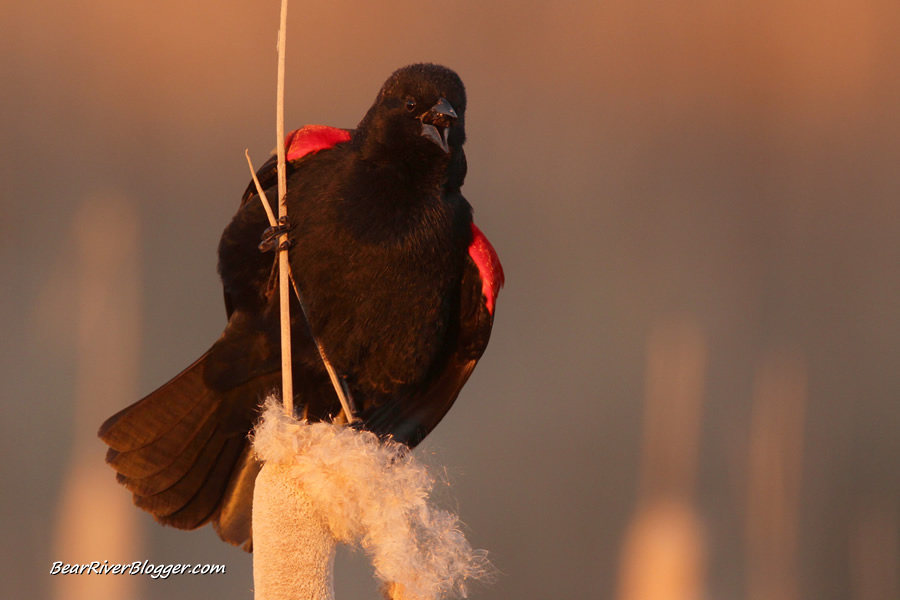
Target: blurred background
(693, 386)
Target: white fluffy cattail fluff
(323, 483)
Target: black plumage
(397, 284)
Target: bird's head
(419, 112)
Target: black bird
(398, 282)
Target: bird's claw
(270, 236)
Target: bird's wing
(309, 139)
(298, 144)
(410, 420)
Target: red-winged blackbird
(398, 282)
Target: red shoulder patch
(489, 267)
(312, 138)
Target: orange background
(693, 386)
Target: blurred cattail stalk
(664, 553)
(875, 552)
(774, 471)
(96, 521)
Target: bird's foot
(270, 236)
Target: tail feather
(155, 415)
(233, 523)
(203, 504)
(185, 490)
(174, 452)
(192, 465)
(183, 452)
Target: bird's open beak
(436, 123)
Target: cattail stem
(260, 191)
(287, 378)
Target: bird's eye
(410, 103)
